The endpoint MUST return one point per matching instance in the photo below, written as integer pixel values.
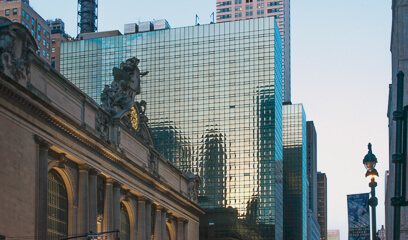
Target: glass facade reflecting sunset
(212, 109)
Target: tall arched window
(57, 222)
(124, 223)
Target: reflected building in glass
(212, 109)
(295, 182)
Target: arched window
(57, 222)
(124, 223)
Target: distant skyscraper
(312, 164)
(295, 184)
(21, 11)
(214, 103)
(322, 204)
(333, 234)
(280, 9)
(313, 229)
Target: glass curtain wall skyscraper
(295, 183)
(233, 10)
(214, 95)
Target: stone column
(141, 218)
(133, 200)
(158, 223)
(186, 237)
(163, 223)
(116, 205)
(83, 203)
(93, 205)
(108, 208)
(148, 219)
(42, 203)
(180, 229)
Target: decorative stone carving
(193, 185)
(62, 160)
(118, 100)
(127, 195)
(153, 166)
(170, 218)
(16, 48)
(102, 126)
(119, 97)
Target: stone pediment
(17, 47)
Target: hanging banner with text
(358, 216)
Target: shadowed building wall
(295, 184)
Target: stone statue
(16, 48)
(193, 185)
(119, 97)
(153, 164)
(118, 101)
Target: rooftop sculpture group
(119, 97)
(118, 100)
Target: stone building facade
(399, 53)
(70, 166)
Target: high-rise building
(58, 36)
(21, 11)
(295, 184)
(221, 85)
(233, 10)
(313, 229)
(322, 204)
(333, 234)
(399, 57)
(311, 145)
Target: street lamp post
(370, 160)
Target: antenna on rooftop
(197, 18)
(212, 17)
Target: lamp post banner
(358, 216)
